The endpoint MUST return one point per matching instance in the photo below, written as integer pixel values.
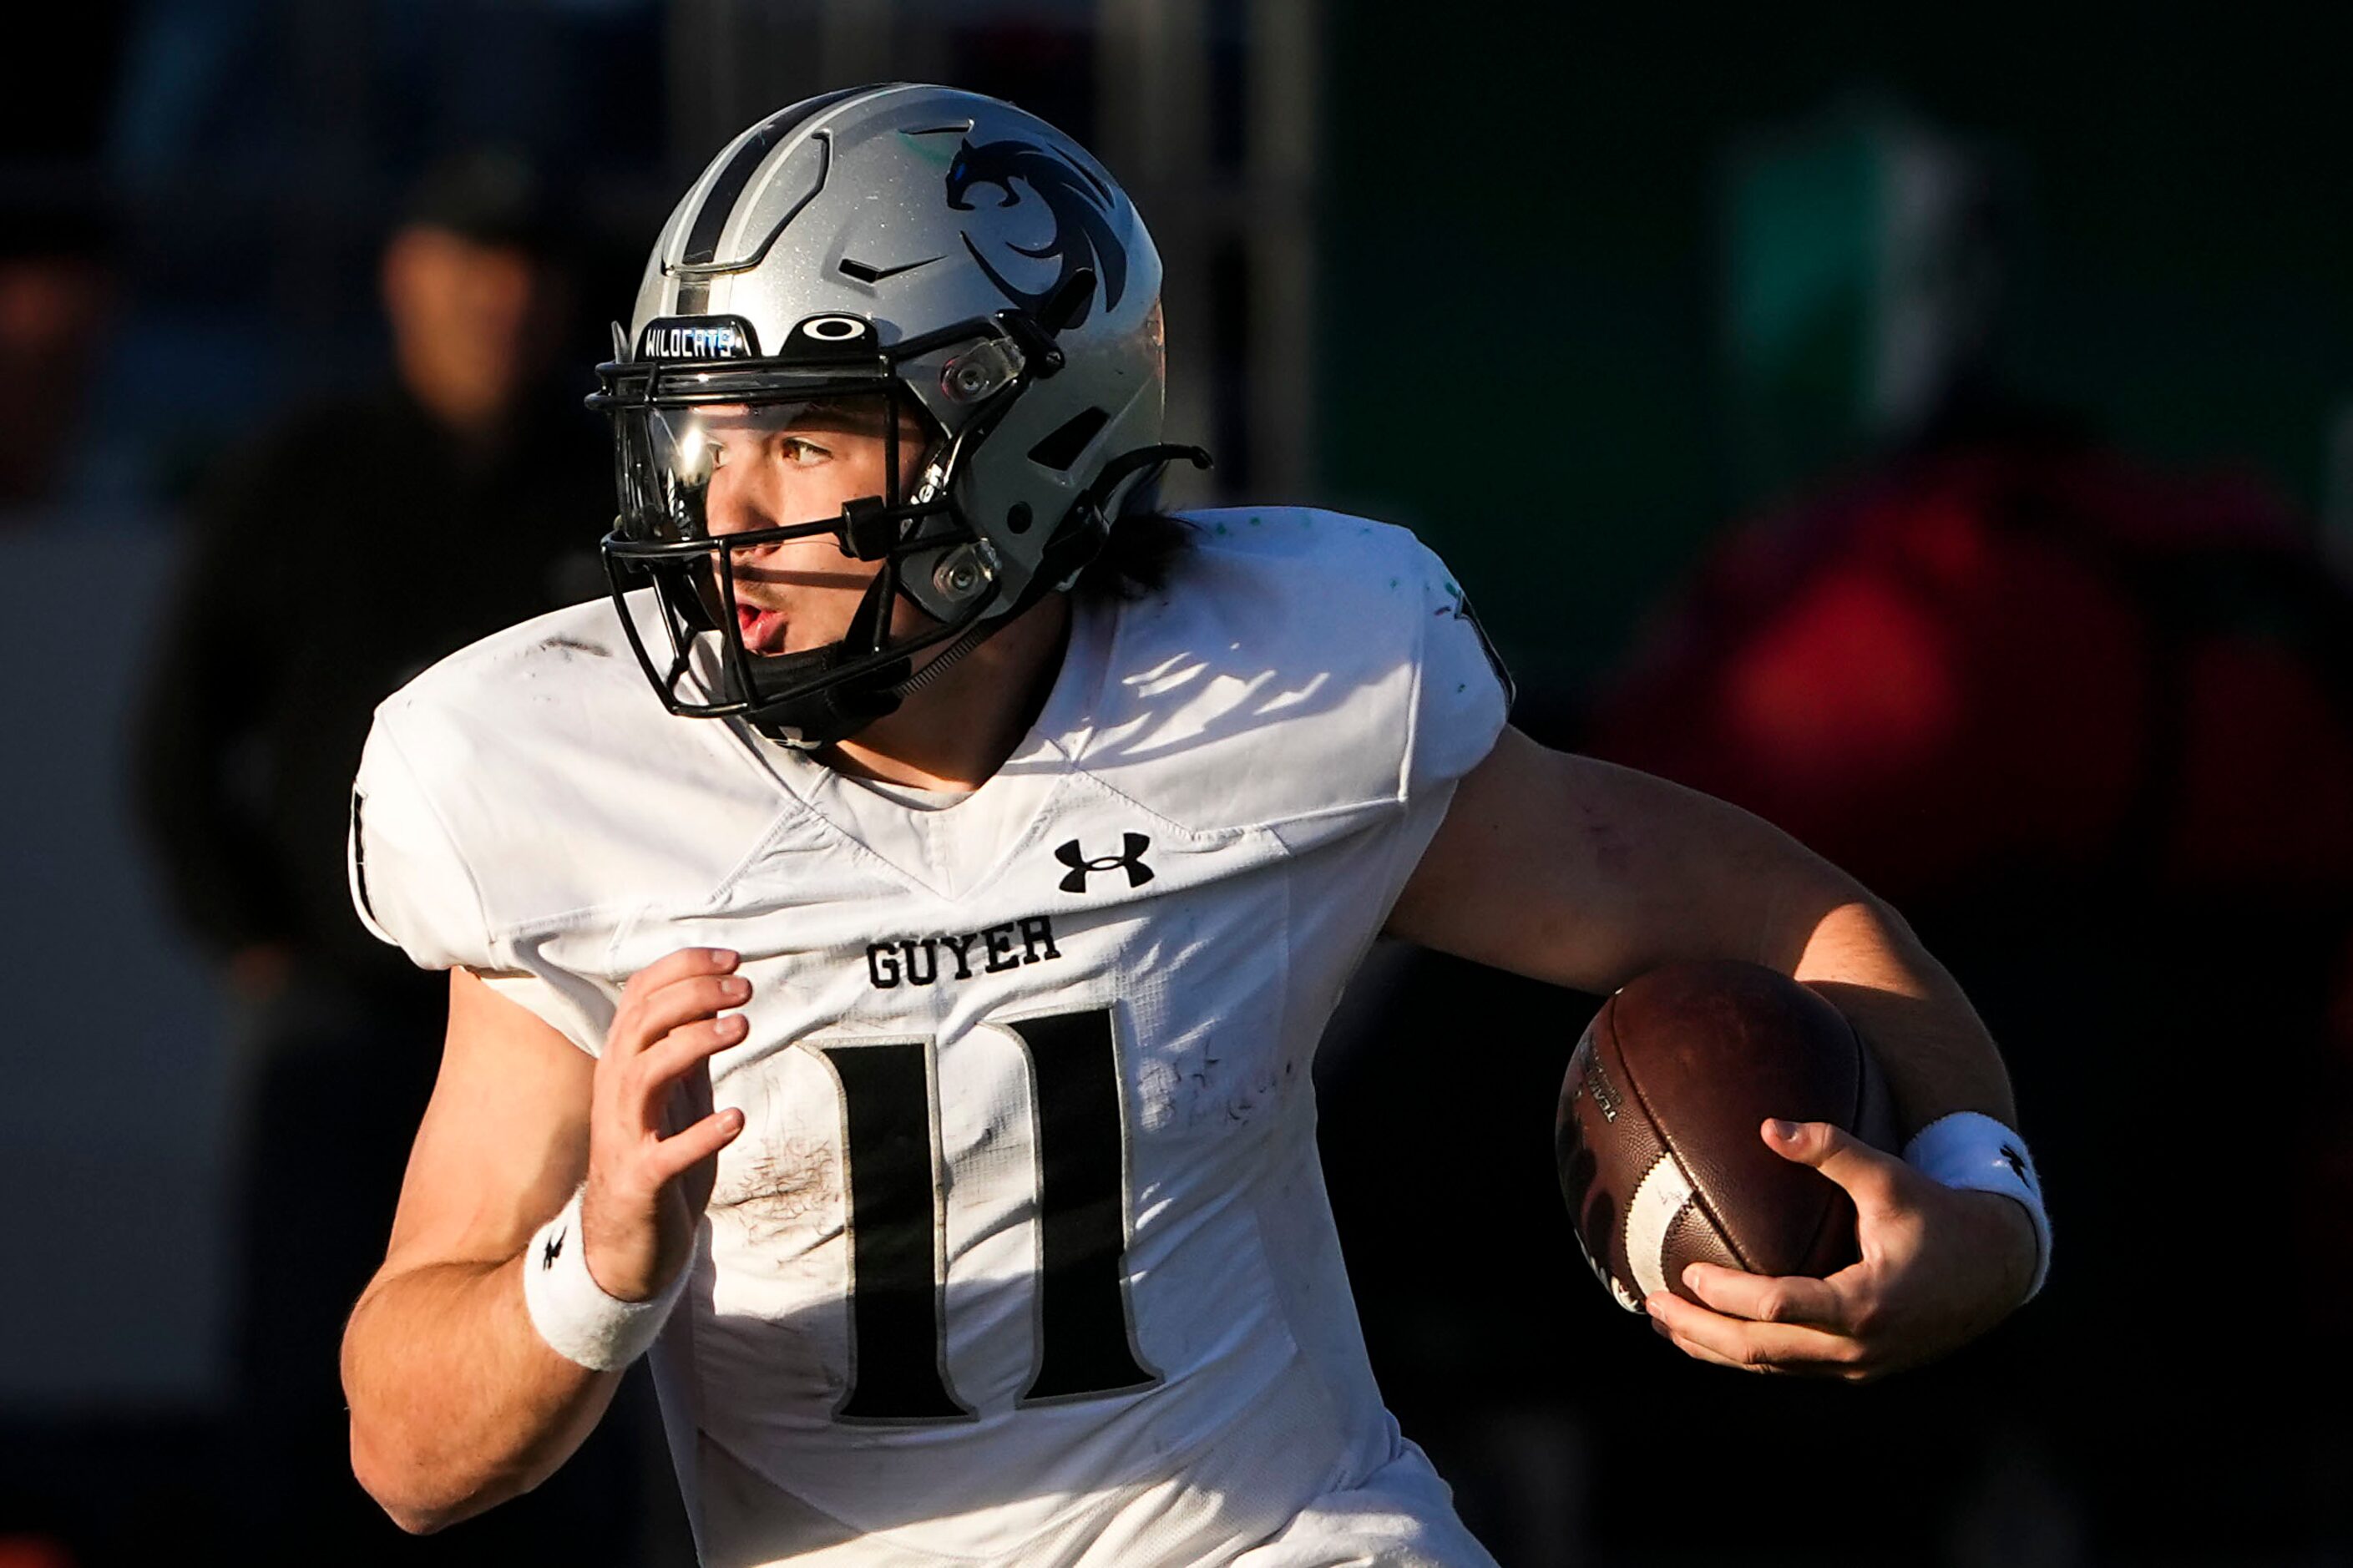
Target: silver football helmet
(945, 269)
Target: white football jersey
(1024, 1253)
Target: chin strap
(821, 718)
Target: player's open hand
(1940, 1266)
(653, 1138)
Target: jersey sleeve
(1462, 694)
(413, 887)
(1305, 673)
(409, 883)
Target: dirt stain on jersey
(1203, 1086)
(566, 647)
(789, 1186)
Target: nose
(735, 502)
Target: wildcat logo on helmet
(1081, 206)
(698, 337)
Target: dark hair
(1138, 556)
(492, 196)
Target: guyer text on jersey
(928, 960)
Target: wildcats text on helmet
(698, 337)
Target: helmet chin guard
(817, 711)
(941, 268)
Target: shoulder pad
(1303, 672)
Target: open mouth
(763, 630)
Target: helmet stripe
(702, 239)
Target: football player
(898, 1018)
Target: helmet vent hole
(1059, 450)
(1017, 517)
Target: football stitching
(1698, 1198)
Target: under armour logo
(2016, 1161)
(553, 1248)
(1131, 861)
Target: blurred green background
(1525, 259)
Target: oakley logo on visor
(698, 337)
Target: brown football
(1660, 1159)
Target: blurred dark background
(1932, 429)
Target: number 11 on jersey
(897, 1223)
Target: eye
(802, 452)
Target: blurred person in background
(346, 549)
(2091, 727)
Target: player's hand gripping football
(1940, 1266)
(653, 1138)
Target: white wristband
(1969, 1149)
(571, 1311)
